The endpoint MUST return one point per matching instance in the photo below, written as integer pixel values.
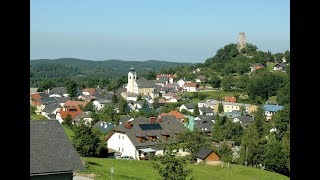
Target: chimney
(152, 119)
(128, 125)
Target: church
(138, 86)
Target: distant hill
(44, 69)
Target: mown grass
(69, 132)
(37, 117)
(134, 169)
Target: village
(138, 137)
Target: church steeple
(132, 77)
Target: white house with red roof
(190, 87)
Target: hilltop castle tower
(132, 77)
(242, 41)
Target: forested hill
(114, 65)
(46, 69)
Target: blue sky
(170, 30)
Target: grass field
(69, 132)
(133, 169)
(37, 117)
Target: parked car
(126, 157)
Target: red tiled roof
(190, 84)
(176, 114)
(64, 113)
(90, 90)
(76, 104)
(230, 99)
(35, 96)
(35, 103)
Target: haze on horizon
(178, 31)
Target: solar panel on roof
(145, 127)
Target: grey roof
(189, 105)
(206, 109)
(103, 126)
(58, 90)
(282, 65)
(33, 90)
(206, 118)
(43, 95)
(50, 149)
(169, 126)
(203, 153)
(144, 83)
(81, 115)
(62, 99)
(245, 118)
(48, 100)
(49, 108)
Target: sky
(168, 30)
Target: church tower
(132, 77)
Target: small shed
(207, 155)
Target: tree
(67, 121)
(71, 88)
(108, 114)
(227, 82)
(283, 94)
(150, 75)
(95, 118)
(86, 140)
(275, 159)
(45, 85)
(89, 107)
(171, 167)
(122, 105)
(249, 146)
(115, 99)
(139, 98)
(215, 81)
(281, 121)
(192, 141)
(285, 143)
(220, 107)
(218, 130)
(155, 103)
(225, 152)
(196, 110)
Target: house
(200, 78)
(270, 110)
(204, 124)
(244, 120)
(52, 156)
(58, 92)
(280, 67)
(208, 103)
(85, 116)
(189, 107)
(207, 155)
(230, 99)
(136, 137)
(166, 77)
(205, 111)
(229, 107)
(70, 107)
(50, 110)
(190, 87)
(256, 66)
(89, 91)
(103, 126)
(233, 114)
(181, 82)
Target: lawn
(37, 117)
(134, 169)
(69, 132)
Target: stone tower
(132, 77)
(242, 41)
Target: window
(122, 137)
(122, 149)
(119, 148)
(119, 136)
